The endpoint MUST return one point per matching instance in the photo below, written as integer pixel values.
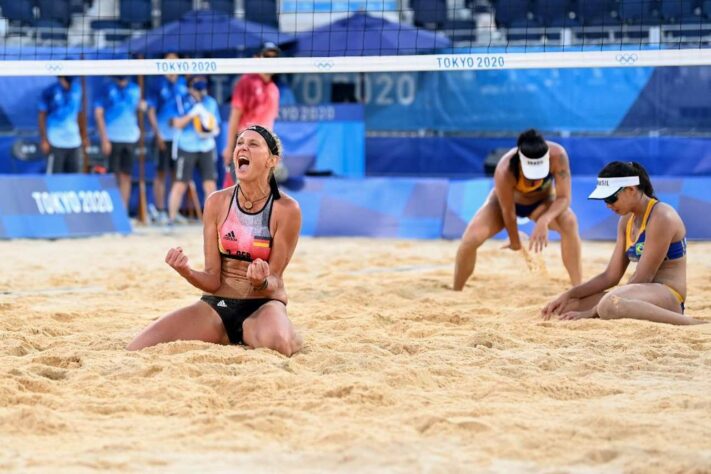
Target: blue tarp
(205, 31)
(364, 35)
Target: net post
(194, 199)
(84, 125)
(142, 199)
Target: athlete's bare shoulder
(288, 204)
(556, 150)
(666, 215)
(287, 214)
(503, 165)
(218, 199)
(551, 143)
(222, 194)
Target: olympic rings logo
(626, 58)
(324, 65)
(54, 67)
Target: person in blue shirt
(165, 101)
(60, 137)
(116, 116)
(198, 128)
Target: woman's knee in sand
(612, 306)
(273, 331)
(282, 340)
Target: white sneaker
(180, 219)
(152, 212)
(162, 218)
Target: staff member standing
(196, 143)
(57, 117)
(116, 114)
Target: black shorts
(121, 158)
(165, 158)
(64, 160)
(187, 160)
(234, 312)
(525, 210)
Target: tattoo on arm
(562, 174)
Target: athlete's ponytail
(645, 184)
(618, 169)
(274, 186)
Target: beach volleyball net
(75, 37)
(432, 77)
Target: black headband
(268, 137)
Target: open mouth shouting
(242, 163)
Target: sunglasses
(612, 199)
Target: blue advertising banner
(440, 208)
(332, 135)
(689, 196)
(665, 100)
(464, 157)
(79, 205)
(373, 207)
(576, 100)
(60, 206)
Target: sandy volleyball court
(398, 374)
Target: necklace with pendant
(247, 203)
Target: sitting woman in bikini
(649, 233)
(250, 234)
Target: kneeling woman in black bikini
(649, 232)
(250, 233)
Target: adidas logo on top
(230, 235)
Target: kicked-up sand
(398, 372)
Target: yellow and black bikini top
(538, 184)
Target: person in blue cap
(116, 114)
(57, 117)
(195, 143)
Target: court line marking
(401, 268)
(53, 291)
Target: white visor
(606, 187)
(535, 168)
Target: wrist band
(263, 286)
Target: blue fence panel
(439, 208)
(60, 206)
